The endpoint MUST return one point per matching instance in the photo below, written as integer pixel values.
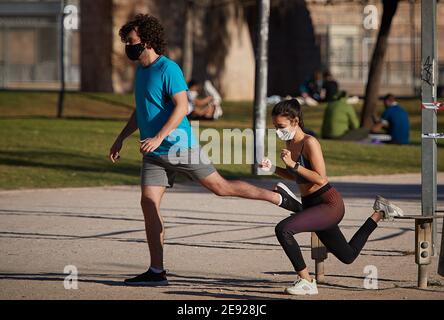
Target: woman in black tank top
(322, 205)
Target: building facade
(31, 45)
(304, 36)
(347, 43)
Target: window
(343, 47)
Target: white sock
(280, 199)
(155, 270)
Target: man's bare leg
(150, 202)
(222, 187)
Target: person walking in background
(395, 120)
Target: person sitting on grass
(341, 121)
(329, 87)
(311, 90)
(199, 108)
(395, 120)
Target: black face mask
(133, 51)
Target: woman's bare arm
(284, 173)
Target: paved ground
(215, 247)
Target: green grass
(37, 150)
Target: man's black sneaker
(149, 278)
(289, 199)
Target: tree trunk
(377, 63)
(293, 53)
(96, 45)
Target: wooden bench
(423, 247)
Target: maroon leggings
(322, 212)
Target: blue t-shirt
(399, 126)
(155, 86)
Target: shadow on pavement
(410, 192)
(237, 288)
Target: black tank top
(304, 162)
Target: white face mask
(285, 133)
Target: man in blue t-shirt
(167, 141)
(395, 120)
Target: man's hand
(286, 157)
(115, 150)
(150, 144)
(130, 127)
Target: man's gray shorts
(161, 170)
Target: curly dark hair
(149, 30)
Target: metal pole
(423, 249)
(62, 61)
(429, 119)
(260, 90)
(187, 61)
(318, 254)
(422, 276)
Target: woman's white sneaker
(303, 287)
(389, 210)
